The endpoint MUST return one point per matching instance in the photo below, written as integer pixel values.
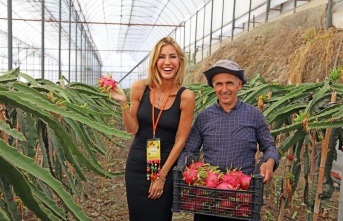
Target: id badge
(153, 150)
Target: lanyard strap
(154, 125)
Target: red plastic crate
(237, 204)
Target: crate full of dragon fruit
(203, 189)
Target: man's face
(226, 87)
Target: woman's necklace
(160, 99)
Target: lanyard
(154, 125)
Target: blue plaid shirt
(229, 140)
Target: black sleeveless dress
(142, 208)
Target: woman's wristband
(166, 174)
(123, 108)
(162, 179)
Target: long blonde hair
(154, 77)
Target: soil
(293, 49)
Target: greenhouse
(82, 40)
(79, 94)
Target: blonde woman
(160, 116)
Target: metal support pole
(43, 41)
(9, 34)
(87, 63)
(81, 57)
(77, 19)
(69, 51)
(329, 15)
(59, 39)
(233, 19)
(190, 39)
(203, 35)
(249, 17)
(184, 36)
(267, 10)
(221, 26)
(195, 37)
(211, 31)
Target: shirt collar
(238, 105)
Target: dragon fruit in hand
(108, 84)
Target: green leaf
(326, 124)
(69, 145)
(84, 140)
(338, 115)
(292, 140)
(317, 100)
(7, 78)
(286, 111)
(287, 129)
(338, 87)
(31, 133)
(292, 94)
(3, 215)
(22, 188)
(43, 104)
(330, 112)
(28, 165)
(28, 78)
(82, 110)
(253, 93)
(8, 192)
(257, 78)
(45, 82)
(30, 91)
(12, 132)
(61, 160)
(58, 90)
(94, 94)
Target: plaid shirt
(229, 140)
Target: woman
(160, 115)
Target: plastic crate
(236, 204)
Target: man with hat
(228, 131)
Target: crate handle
(257, 168)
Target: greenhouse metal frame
(81, 40)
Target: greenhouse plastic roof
(113, 26)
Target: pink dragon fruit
(108, 84)
(225, 186)
(245, 182)
(196, 165)
(232, 177)
(212, 179)
(190, 175)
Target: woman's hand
(118, 94)
(156, 189)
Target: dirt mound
(292, 49)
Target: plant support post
(319, 192)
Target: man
(230, 130)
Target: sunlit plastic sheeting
(89, 28)
(77, 48)
(114, 36)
